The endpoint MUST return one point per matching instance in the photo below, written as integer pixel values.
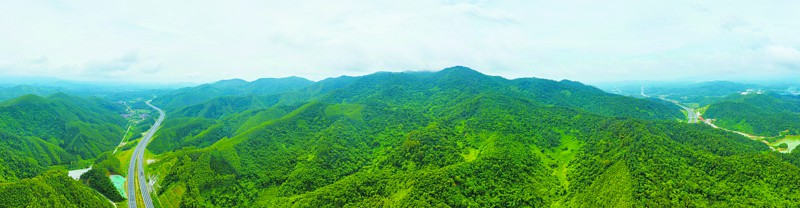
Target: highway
(694, 118)
(691, 115)
(136, 165)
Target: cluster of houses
(128, 115)
(752, 91)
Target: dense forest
(59, 130)
(458, 138)
(50, 189)
(11, 92)
(187, 96)
(758, 114)
(55, 132)
(451, 138)
(98, 179)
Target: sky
(589, 41)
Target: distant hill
(698, 94)
(38, 132)
(7, 93)
(759, 114)
(236, 87)
(112, 91)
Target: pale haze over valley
(589, 41)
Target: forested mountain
(236, 87)
(10, 92)
(226, 105)
(451, 138)
(759, 114)
(38, 132)
(460, 138)
(198, 125)
(105, 91)
(50, 189)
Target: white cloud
(783, 56)
(582, 40)
(783, 53)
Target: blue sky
(590, 41)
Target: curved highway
(136, 165)
(691, 115)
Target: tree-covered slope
(50, 189)
(37, 132)
(202, 124)
(322, 143)
(462, 81)
(759, 114)
(645, 164)
(222, 106)
(98, 177)
(11, 92)
(491, 150)
(462, 139)
(189, 96)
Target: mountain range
(450, 138)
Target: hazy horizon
(590, 42)
(49, 81)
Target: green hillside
(188, 96)
(463, 139)
(202, 124)
(759, 114)
(11, 92)
(59, 130)
(451, 138)
(50, 189)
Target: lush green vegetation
(50, 189)
(462, 139)
(57, 132)
(97, 178)
(453, 138)
(61, 130)
(188, 96)
(759, 114)
(11, 92)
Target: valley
(759, 105)
(136, 167)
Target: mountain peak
(59, 95)
(230, 81)
(459, 70)
(29, 99)
(295, 79)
